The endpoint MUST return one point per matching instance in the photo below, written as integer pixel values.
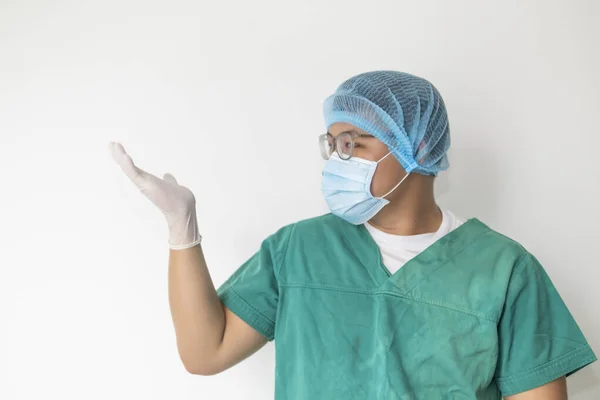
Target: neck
(412, 211)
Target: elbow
(199, 367)
(200, 370)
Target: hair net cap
(405, 112)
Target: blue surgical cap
(403, 111)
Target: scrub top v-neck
(396, 249)
(345, 328)
(419, 266)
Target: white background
(227, 96)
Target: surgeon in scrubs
(387, 296)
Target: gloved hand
(177, 202)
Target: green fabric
(474, 316)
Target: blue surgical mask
(346, 186)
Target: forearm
(196, 310)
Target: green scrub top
(474, 316)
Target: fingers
(124, 160)
(169, 178)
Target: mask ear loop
(399, 183)
(396, 187)
(384, 157)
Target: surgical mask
(346, 186)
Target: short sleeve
(252, 292)
(539, 340)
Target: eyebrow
(353, 131)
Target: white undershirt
(397, 250)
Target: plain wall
(227, 96)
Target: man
(386, 297)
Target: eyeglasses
(342, 143)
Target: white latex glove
(177, 202)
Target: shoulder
(477, 263)
(315, 226)
(494, 242)
(316, 229)
(318, 222)
(501, 259)
(296, 244)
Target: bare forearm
(196, 310)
